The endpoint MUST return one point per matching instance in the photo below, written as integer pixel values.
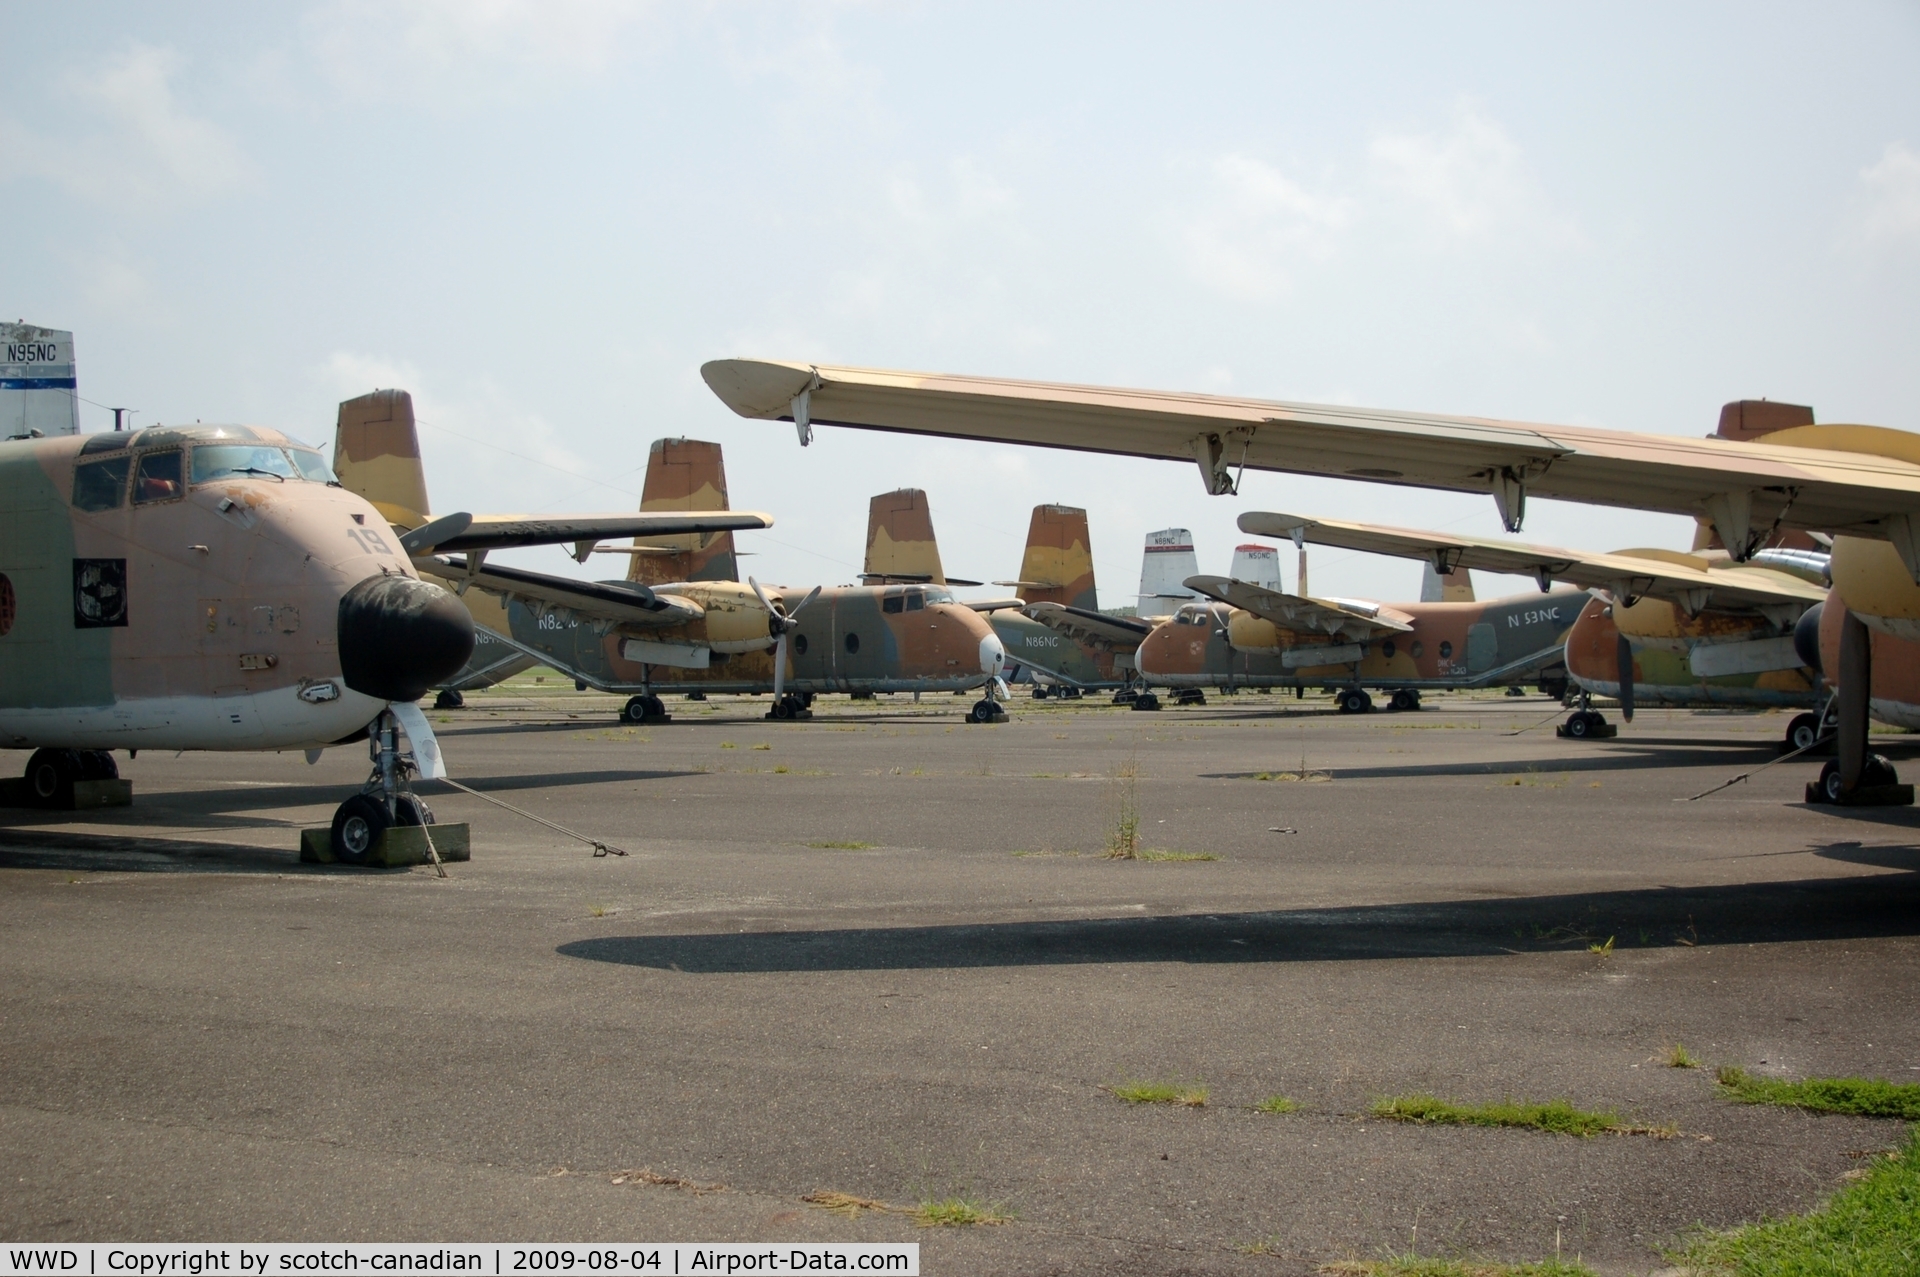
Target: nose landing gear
(1586, 723)
(386, 800)
(789, 706)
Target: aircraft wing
(1688, 580)
(1116, 633)
(617, 602)
(461, 532)
(1745, 487)
(1291, 611)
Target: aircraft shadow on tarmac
(1751, 913)
(172, 806)
(1664, 755)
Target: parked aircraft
(708, 634)
(1859, 484)
(214, 587)
(1671, 629)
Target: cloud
(1889, 212)
(408, 48)
(1470, 182)
(1260, 226)
(148, 146)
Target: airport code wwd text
(496, 1259)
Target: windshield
(313, 465)
(221, 460)
(939, 594)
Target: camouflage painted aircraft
(1251, 636)
(214, 587)
(1667, 628)
(1858, 484)
(1054, 634)
(703, 632)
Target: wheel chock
(399, 847)
(86, 795)
(1598, 731)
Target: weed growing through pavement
(763, 745)
(1867, 1227)
(1123, 839)
(843, 846)
(958, 1212)
(1678, 1057)
(1179, 1093)
(1556, 1117)
(1411, 1265)
(1854, 1096)
(1603, 949)
(1276, 1104)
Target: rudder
(1058, 564)
(900, 540)
(684, 474)
(376, 455)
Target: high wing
(466, 532)
(1860, 480)
(1692, 582)
(615, 602)
(1290, 611)
(1110, 633)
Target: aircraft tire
(98, 764)
(411, 809)
(635, 710)
(50, 776)
(1580, 726)
(1146, 701)
(1877, 772)
(1039, 692)
(449, 699)
(1404, 700)
(1802, 732)
(357, 826)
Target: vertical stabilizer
(684, 474)
(900, 543)
(1257, 565)
(1058, 564)
(39, 390)
(1168, 562)
(1446, 587)
(376, 454)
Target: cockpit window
(312, 465)
(892, 602)
(936, 594)
(916, 600)
(244, 461)
(159, 478)
(101, 485)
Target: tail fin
(1058, 564)
(1446, 587)
(684, 474)
(1164, 568)
(900, 542)
(376, 454)
(1257, 565)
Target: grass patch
(843, 846)
(1855, 1096)
(1304, 774)
(1123, 839)
(1557, 1117)
(764, 745)
(727, 744)
(1604, 949)
(957, 1212)
(1160, 1093)
(1870, 1228)
(1276, 1104)
(1175, 856)
(1430, 1266)
(1678, 1057)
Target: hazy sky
(541, 218)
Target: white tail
(1257, 565)
(39, 392)
(1168, 561)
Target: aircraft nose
(993, 655)
(400, 636)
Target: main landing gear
(647, 708)
(51, 773)
(1189, 696)
(1404, 700)
(449, 699)
(1854, 777)
(1586, 723)
(791, 705)
(386, 800)
(1353, 700)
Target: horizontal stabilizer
(617, 602)
(1290, 611)
(510, 531)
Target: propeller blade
(780, 667)
(761, 594)
(1623, 659)
(812, 594)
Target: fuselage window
(891, 603)
(231, 461)
(1446, 649)
(158, 478)
(938, 594)
(916, 600)
(853, 642)
(101, 485)
(1386, 649)
(1417, 650)
(800, 645)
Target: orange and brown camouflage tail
(900, 542)
(376, 455)
(1058, 564)
(684, 474)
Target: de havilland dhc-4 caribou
(214, 587)
(1858, 485)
